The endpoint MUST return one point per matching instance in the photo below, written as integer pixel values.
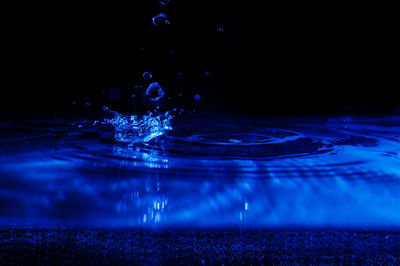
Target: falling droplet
(155, 91)
(160, 19)
(197, 97)
(147, 75)
(164, 2)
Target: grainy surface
(198, 246)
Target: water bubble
(160, 19)
(197, 97)
(147, 75)
(164, 2)
(155, 91)
(114, 94)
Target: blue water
(201, 170)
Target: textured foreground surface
(198, 246)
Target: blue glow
(197, 97)
(210, 171)
(160, 19)
(155, 91)
(147, 75)
(133, 129)
(164, 2)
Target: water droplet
(160, 19)
(147, 75)
(197, 97)
(114, 94)
(164, 2)
(155, 91)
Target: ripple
(271, 144)
(209, 171)
(237, 139)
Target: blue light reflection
(313, 173)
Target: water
(132, 129)
(160, 19)
(154, 91)
(210, 170)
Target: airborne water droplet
(147, 75)
(160, 19)
(164, 2)
(155, 91)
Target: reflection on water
(211, 170)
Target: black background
(283, 57)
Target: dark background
(283, 57)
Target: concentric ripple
(243, 139)
(246, 140)
(209, 170)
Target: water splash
(134, 129)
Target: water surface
(211, 170)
